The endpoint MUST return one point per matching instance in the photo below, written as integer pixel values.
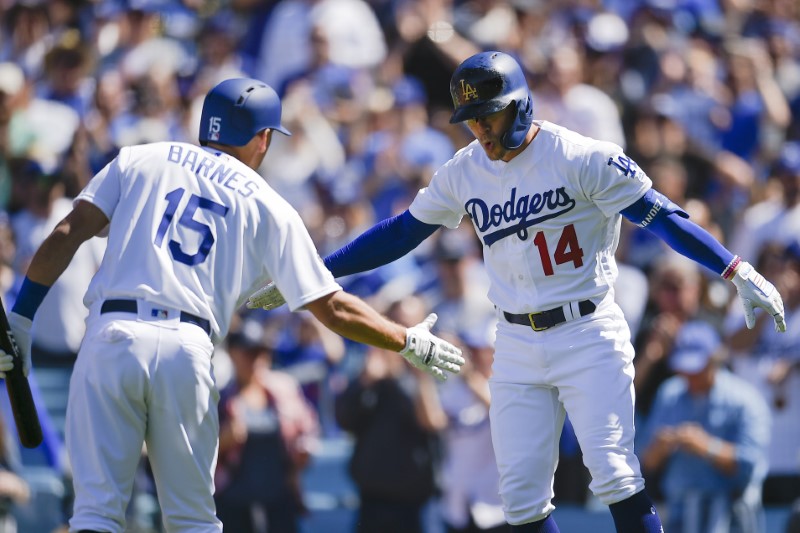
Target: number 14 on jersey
(567, 250)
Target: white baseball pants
(138, 381)
(583, 368)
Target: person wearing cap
(771, 363)
(419, 148)
(777, 217)
(707, 437)
(395, 418)
(457, 296)
(547, 204)
(267, 434)
(191, 231)
(675, 298)
(470, 499)
(59, 327)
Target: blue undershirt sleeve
(383, 243)
(658, 214)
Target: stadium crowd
(703, 94)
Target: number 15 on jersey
(187, 220)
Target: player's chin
(493, 151)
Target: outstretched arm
(383, 243)
(351, 317)
(661, 216)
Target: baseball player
(191, 231)
(547, 204)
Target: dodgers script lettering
(517, 211)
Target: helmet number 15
(567, 250)
(187, 220)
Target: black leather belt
(130, 306)
(547, 319)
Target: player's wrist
(733, 266)
(30, 297)
(409, 340)
(745, 274)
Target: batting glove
(267, 297)
(21, 331)
(755, 291)
(6, 363)
(429, 353)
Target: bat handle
(25, 416)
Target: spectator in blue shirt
(707, 436)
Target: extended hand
(21, 330)
(429, 353)
(267, 297)
(755, 291)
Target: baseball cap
(792, 250)
(12, 78)
(453, 245)
(147, 6)
(694, 347)
(32, 172)
(334, 82)
(606, 32)
(789, 159)
(426, 148)
(408, 90)
(251, 335)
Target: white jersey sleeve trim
(299, 304)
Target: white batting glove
(21, 330)
(6, 364)
(429, 353)
(755, 291)
(267, 297)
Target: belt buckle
(533, 322)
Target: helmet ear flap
(523, 117)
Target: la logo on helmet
(468, 91)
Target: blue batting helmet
(235, 110)
(489, 82)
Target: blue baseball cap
(427, 148)
(408, 90)
(251, 335)
(695, 345)
(789, 159)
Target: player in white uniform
(547, 202)
(191, 231)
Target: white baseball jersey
(197, 230)
(548, 219)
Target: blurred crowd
(703, 94)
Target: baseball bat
(19, 390)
